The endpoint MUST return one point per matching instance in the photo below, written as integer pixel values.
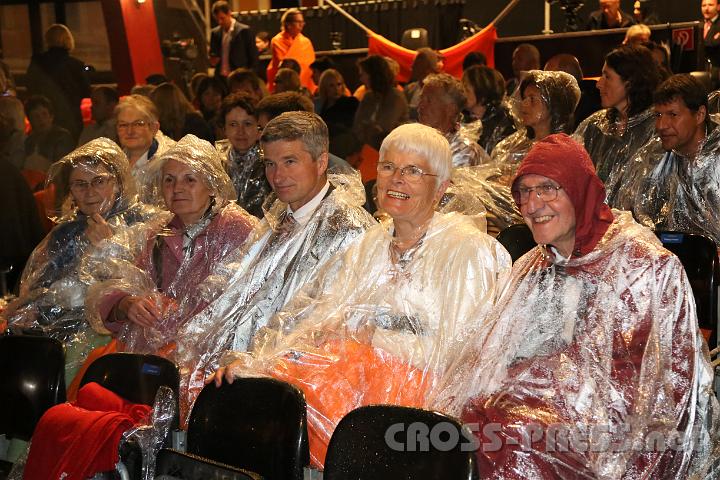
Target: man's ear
(701, 115)
(322, 163)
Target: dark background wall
(528, 17)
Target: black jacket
(596, 21)
(712, 43)
(243, 52)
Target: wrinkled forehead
(533, 180)
(181, 166)
(88, 168)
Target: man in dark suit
(609, 16)
(232, 44)
(711, 31)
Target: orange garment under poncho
(343, 375)
(300, 49)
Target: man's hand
(97, 229)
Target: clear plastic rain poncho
(256, 281)
(604, 345)
(167, 263)
(53, 286)
(497, 123)
(247, 172)
(668, 191)
(610, 145)
(371, 331)
(590, 366)
(464, 146)
(559, 93)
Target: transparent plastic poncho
(247, 172)
(464, 147)
(497, 123)
(590, 368)
(610, 144)
(167, 262)
(560, 94)
(668, 191)
(256, 281)
(373, 331)
(53, 286)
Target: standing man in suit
(711, 31)
(609, 16)
(232, 44)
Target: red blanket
(81, 438)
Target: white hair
(424, 141)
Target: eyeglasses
(410, 172)
(129, 125)
(99, 182)
(547, 192)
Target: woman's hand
(97, 229)
(140, 310)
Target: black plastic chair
(172, 464)
(517, 240)
(133, 376)
(392, 442)
(258, 424)
(415, 38)
(32, 381)
(699, 255)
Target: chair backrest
(392, 442)
(699, 255)
(33, 380)
(415, 38)
(517, 240)
(258, 424)
(133, 376)
(172, 464)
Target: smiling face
(401, 197)
(552, 222)
(612, 89)
(135, 132)
(679, 127)
(293, 174)
(93, 189)
(241, 129)
(185, 194)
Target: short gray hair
(141, 103)
(424, 141)
(450, 86)
(307, 127)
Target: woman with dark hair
(337, 110)
(613, 135)
(209, 96)
(178, 117)
(485, 91)
(544, 104)
(383, 107)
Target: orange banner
(483, 41)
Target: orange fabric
(300, 49)
(45, 201)
(369, 158)
(483, 41)
(98, 352)
(34, 178)
(346, 375)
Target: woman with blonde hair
(60, 77)
(178, 117)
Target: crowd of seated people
(222, 227)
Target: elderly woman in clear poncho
(384, 319)
(613, 135)
(97, 198)
(144, 301)
(591, 365)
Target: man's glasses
(99, 182)
(410, 172)
(547, 192)
(133, 125)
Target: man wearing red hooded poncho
(591, 364)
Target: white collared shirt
(140, 163)
(302, 215)
(225, 49)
